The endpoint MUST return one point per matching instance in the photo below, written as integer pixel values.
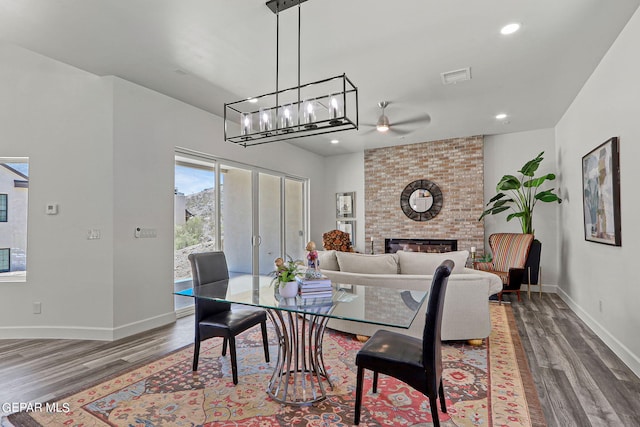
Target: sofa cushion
(363, 263)
(328, 260)
(426, 263)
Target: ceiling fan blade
(363, 131)
(421, 119)
(397, 131)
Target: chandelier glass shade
(323, 106)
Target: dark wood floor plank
(592, 398)
(565, 405)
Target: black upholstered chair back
(416, 363)
(208, 267)
(217, 319)
(431, 344)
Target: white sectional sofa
(466, 306)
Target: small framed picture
(348, 226)
(601, 194)
(346, 205)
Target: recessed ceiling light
(501, 116)
(252, 100)
(510, 28)
(334, 141)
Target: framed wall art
(601, 194)
(348, 226)
(346, 205)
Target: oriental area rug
(488, 385)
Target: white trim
(143, 325)
(86, 333)
(185, 311)
(627, 356)
(546, 289)
(56, 332)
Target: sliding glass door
(195, 217)
(236, 221)
(269, 219)
(253, 215)
(294, 218)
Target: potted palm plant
(520, 194)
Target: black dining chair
(217, 319)
(415, 362)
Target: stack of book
(314, 288)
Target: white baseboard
(86, 333)
(627, 356)
(56, 332)
(143, 325)
(535, 289)
(185, 311)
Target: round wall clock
(421, 200)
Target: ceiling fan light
(383, 124)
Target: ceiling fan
(383, 125)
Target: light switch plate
(145, 233)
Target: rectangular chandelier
(323, 106)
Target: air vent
(455, 76)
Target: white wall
(592, 274)
(343, 173)
(59, 117)
(103, 149)
(506, 154)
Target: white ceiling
(207, 52)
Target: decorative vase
(289, 289)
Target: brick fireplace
(455, 165)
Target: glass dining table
(299, 375)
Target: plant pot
(289, 289)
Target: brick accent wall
(455, 165)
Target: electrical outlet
(600, 305)
(37, 307)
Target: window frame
(8, 268)
(5, 209)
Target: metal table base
(299, 375)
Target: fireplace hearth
(420, 245)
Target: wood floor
(579, 380)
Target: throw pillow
(367, 264)
(426, 263)
(328, 260)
